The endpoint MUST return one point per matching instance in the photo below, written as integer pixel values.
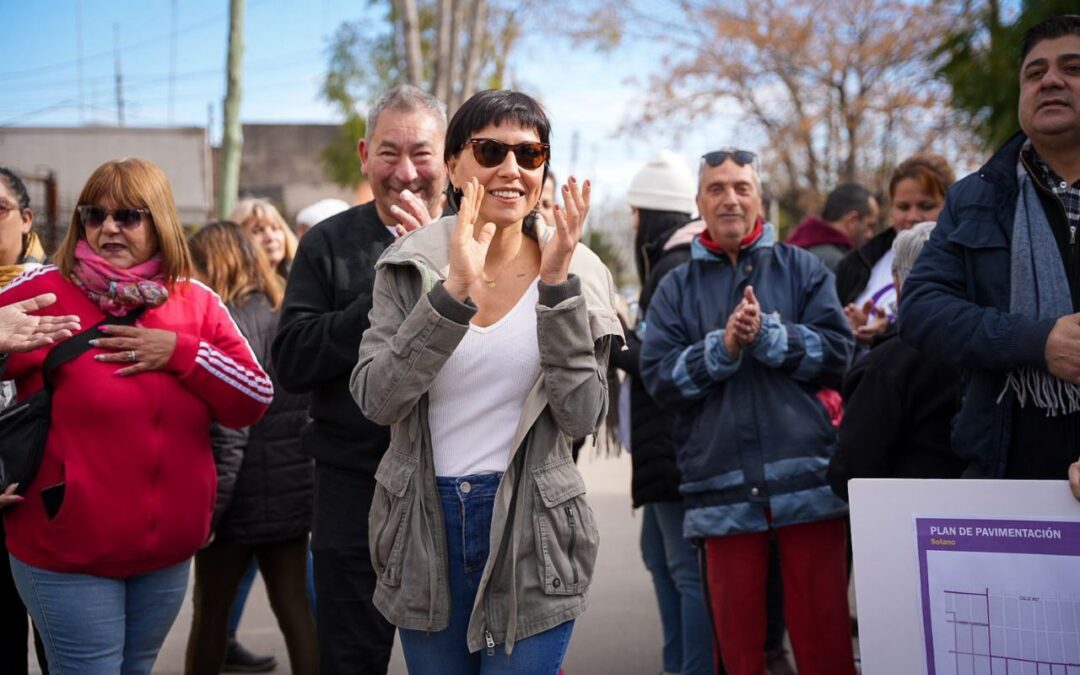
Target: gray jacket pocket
(565, 529)
(388, 518)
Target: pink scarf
(118, 291)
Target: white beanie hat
(665, 183)
(320, 211)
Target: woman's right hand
(468, 250)
(8, 497)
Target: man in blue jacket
(738, 341)
(996, 290)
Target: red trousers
(813, 565)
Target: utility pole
(172, 63)
(119, 77)
(79, 60)
(232, 139)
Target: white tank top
(476, 400)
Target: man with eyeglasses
(325, 313)
(738, 341)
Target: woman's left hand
(569, 222)
(142, 349)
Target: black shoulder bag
(25, 426)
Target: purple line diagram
(1013, 633)
(999, 597)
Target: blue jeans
(467, 503)
(99, 626)
(673, 563)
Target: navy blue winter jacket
(752, 433)
(955, 305)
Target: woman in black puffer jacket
(265, 480)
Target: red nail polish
(573, 180)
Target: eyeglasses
(7, 207)
(127, 219)
(490, 153)
(718, 157)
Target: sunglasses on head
(128, 219)
(490, 153)
(718, 157)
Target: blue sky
(284, 62)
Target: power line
(156, 40)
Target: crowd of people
(381, 415)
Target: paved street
(620, 633)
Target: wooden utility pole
(232, 139)
(410, 26)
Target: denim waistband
(474, 485)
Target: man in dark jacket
(997, 289)
(738, 340)
(325, 313)
(850, 213)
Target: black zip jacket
(265, 481)
(317, 346)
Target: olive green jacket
(543, 535)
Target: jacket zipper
(490, 642)
(573, 541)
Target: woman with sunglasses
(487, 354)
(101, 544)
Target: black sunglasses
(490, 153)
(718, 157)
(94, 216)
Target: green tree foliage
(981, 62)
(369, 56)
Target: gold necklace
(491, 282)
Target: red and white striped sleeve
(220, 368)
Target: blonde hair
(133, 183)
(254, 210)
(231, 264)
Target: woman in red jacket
(100, 546)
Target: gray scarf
(1039, 291)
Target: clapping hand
(22, 331)
(569, 222)
(413, 213)
(866, 322)
(744, 324)
(468, 249)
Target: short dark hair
(1054, 27)
(15, 184)
(493, 107)
(844, 199)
